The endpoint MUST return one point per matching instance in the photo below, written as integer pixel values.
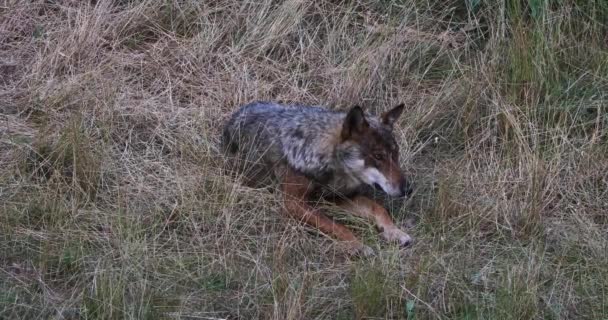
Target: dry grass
(112, 204)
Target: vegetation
(113, 204)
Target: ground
(113, 203)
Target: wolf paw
(396, 235)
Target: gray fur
(305, 138)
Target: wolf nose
(405, 188)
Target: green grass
(114, 204)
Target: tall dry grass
(113, 204)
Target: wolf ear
(354, 123)
(390, 117)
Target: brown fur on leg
(296, 189)
(369, 209)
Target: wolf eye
(378, 156)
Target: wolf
(315, 152)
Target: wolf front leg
(367, 208)
(296, 188)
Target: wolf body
(312, 150)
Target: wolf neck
(315, 154)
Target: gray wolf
(316, 152)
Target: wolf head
(370, 153)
